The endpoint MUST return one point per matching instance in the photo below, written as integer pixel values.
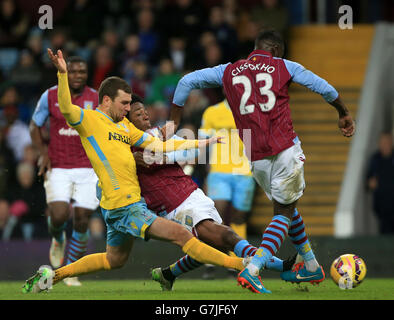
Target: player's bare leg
(221, 206)
(162, 229)
(77, 245)
(117, 256)
(59, 213)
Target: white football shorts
(78, 184)
(282, 176)
(196, 208)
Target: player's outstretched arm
(345, 121)
(71, 112)
(155, 144)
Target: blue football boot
(253, 283)
(300, 274)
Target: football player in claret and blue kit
(256, 89)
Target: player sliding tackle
(172, 194)
(257, 92)
(106, 136)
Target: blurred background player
(229, 182)
(67, 170)
(257, 92)
(172, 194)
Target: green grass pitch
(185, 289)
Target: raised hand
(58, 60)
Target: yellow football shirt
(107, 145)
(228, 157)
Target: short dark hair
(136, 98)
(110, 86)
(76, 59)
(268, 39)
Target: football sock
(183, 265)
(206, 254)
(239, 229)
(77, 246)
(244, 249)
(273, 237)
(300, 240)
(56, 232)
(87, 264)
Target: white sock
(253, 270)
(311, 265)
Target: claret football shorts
(282, 176)
(78, 184)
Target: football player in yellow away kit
(106, 136)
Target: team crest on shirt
(88, 105)
(189, 221)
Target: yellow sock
(239, 229)
(208, 255)
(87, 264)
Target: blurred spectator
(140, 82)
(27, 77)
(380, 179)
(148, 36)
(177, 53)
(12, 105)
(26, 204)
(206, 39)
(195, 105)
(84, 20)
(4, 215)
(247, 32)
(36, 46)
(213, 55)
(7, 166)
(110, 38)
(14, 24)
(129, 56)
(230, 12)
(272, 14)
(117, 16)
(103, 66)
(185, 16)
(225, 34)
(161, 113)
(16, 132)
(164, 83)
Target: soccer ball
(348, 271)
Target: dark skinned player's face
(139, 117)
(77, 75)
